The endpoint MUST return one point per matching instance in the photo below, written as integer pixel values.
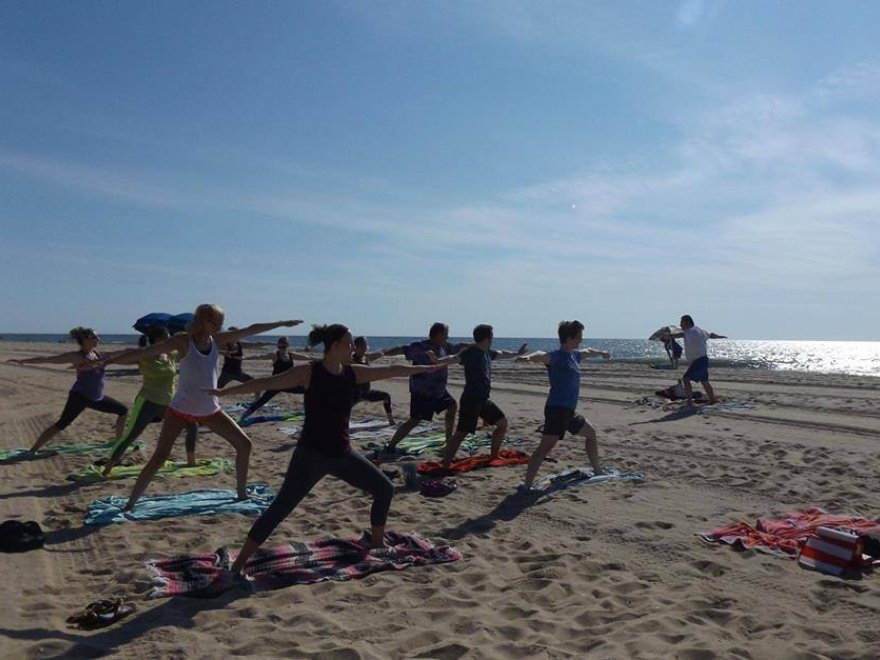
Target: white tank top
(197, 371)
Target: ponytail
(327, 335)
(80, 334)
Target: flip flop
(101, 613)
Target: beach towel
(294, 563)
(204, 467)
(785, 536)
(583, 476)
(195, 502)
(505, 457)
(14, 455)
(366, 428)
(262, 419)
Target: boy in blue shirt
(564, 370)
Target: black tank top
(232, 362)
(280, 365)
(328, 402)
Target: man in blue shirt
(428, 394)
(564, 370)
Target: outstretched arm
(296, 377)
(512, 354)
(367, 374)
(712, 335)
(230, 337)
(538, 357)
(135, 355)
(396, 350)
(72, 357)
(592, 352)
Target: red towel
(786, 535)
(505, 457)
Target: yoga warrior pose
(152, 400)
(233, 354)
(365, 392)
(198, 350)
(87, 390)
(282, 360)
(475, 402)
(324, 446)
(428, 394)
(564, 369)
(697, 354)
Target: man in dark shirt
(475, 402)
(428, 394)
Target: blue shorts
(698, 371)
(424, 407)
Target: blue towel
(194, 502)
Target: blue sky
(388, 164)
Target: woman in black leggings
(324, 447)
(282, 360)
(364, 391)
(87, 390)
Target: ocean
(857, 358)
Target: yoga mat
(13, 455)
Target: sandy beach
(608, 571)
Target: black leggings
(76, 403)
(146, 412)
(226, 377)
(308, 467)
(266, 397)
(377, 395)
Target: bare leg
(498, 437)
(45, 436)
(688, 391)
(538, 456)
(227, 429)
(249, 548)
(403, 431)
(592, 446)
(452, 446)
(709, 392)
(120, 426)
(171, 428)
(450, 421)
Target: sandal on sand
(101, 613)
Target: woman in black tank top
(324, 448)
(282, 360)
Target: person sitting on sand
(324, 447)
(428, 394)
(152, 400)
(88, 388)
(365, 392)
(696, 353)
(198, 349)
(475, 402)
(282, 360)
(560, 414)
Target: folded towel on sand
(14, 455)
(583, 476)
(204, 467)
(365, 428)
(204, 575)
(195, 502)
(784, 536)
(505, 457)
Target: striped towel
(295, 563)
(195, 502)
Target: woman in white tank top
(191, 403)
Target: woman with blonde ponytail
(198, 350)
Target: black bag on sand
(16, 536)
